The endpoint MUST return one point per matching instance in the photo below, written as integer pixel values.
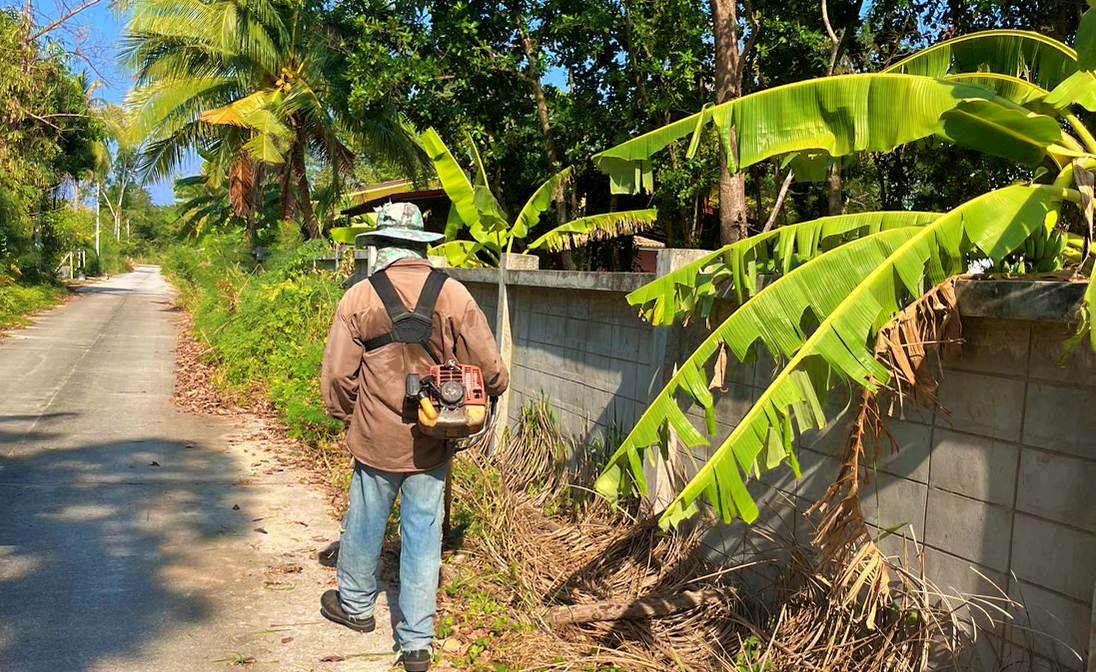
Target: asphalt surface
(136, 537)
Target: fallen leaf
(286, 640)
(261, 530)
(333, 658)
(719, 374)
(451, 645)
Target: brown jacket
(367, 388)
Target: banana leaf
(1011, 132)
(692, 288)
(348, 235)
(628, 164)
(850, 292)
(1019, 91)
(463, 211)
(580, 231)
(481, 170)
(1036, 58)
(837, 115)
(1085, 41)
(1077, 89)
(458, 253)
(538, 203)
(492, 224)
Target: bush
(266, 328)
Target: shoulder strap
(408, 327)
(428, 298)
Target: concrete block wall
(994, 486)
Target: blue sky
(94, 34)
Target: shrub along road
(136, 537)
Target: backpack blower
(450, 398)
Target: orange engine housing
(469, 377)
(452, 401)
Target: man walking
(365, 366)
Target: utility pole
(97, 196)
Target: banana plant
(1012, 94)
(493, 232)
(348, 235)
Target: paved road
(136, 537)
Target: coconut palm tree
(252, 80)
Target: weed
(18, 300)
(236, 658)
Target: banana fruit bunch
(1075, 244)
(1042, 252)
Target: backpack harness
(408, 327)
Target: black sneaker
(416, 661)
(332, 610)
(329, 555)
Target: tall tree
(255, 81)
(47, 136)
(730, 59)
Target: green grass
(266, 328)
(18, 300)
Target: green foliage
(18, 300)
(47, 135)
(476, 208)
(820, 317)
(254, 85)
(267, 329)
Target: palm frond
(850, 292)
(582, 230)
(693, 288)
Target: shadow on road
(94, 544)
(100, 289)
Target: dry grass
(541, 541)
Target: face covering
(390, 254)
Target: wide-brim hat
(399, 221)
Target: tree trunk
(309, 226)
(286, 198)
(732, 187)
(255, 203)
(532, 73)
(834, 192)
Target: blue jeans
(422, 509)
